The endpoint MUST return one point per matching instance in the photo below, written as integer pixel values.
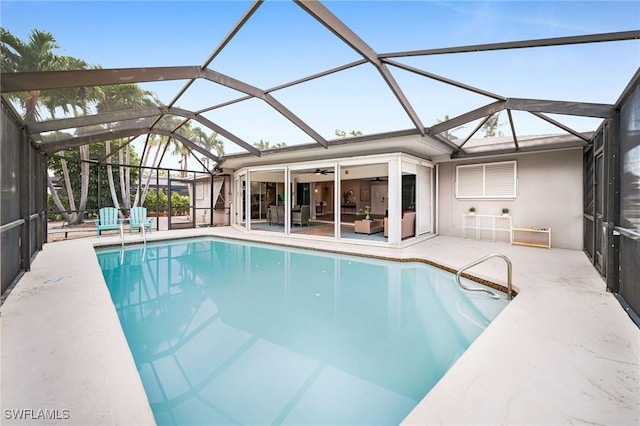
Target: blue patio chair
(138, 218)
(108, 220)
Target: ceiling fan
(322, 172)
(379, 179)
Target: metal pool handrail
(144, 239)
(477, 262)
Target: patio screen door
(181, 204)
(600, 224)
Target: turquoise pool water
(228, 332)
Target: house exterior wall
(549, 195)
(202, 200)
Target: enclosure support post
(25, 193)
(612, 134)
(41, 198)
(212, 201)
(98, 186)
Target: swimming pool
(226, 332)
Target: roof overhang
(407, 142)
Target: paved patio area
(563, 352)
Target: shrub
(180, 204)
(150, 201)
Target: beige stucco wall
(203, 201)
(549, 195)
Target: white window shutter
(470, 181)
(488, 180)
(500, 180)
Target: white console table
(545, 241)
(481, 226)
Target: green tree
(184, 129)
(210, 142)
(264, 145)
(154, 142)
(343, 133)
(188, 132)
(34, 55)
(51, 208)
(97, 150)
(179, 204)
(37, 54)
(449, 133)
(74, 100)
(491, 128)
(161, 199)
(115, 98)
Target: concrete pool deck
(563, 352)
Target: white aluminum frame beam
(343, 32)
(43, 80)
(522, 44)
(583, 109)
(73, 142)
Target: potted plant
(367, 212)
(505, 212)
(472, 210)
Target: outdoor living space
(562, 351)
(480, 159)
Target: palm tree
(35, 55)
(492, 127)
(78, 99)
(152, 141)
(124, 96)
(52, 100)
(75, 100)
(449, 133)
(179, 149)
(114, 98)
(343, 133)
(262, 145)
(210, 143)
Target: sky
(282, 43)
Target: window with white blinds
(489, 180)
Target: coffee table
(370, 226)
